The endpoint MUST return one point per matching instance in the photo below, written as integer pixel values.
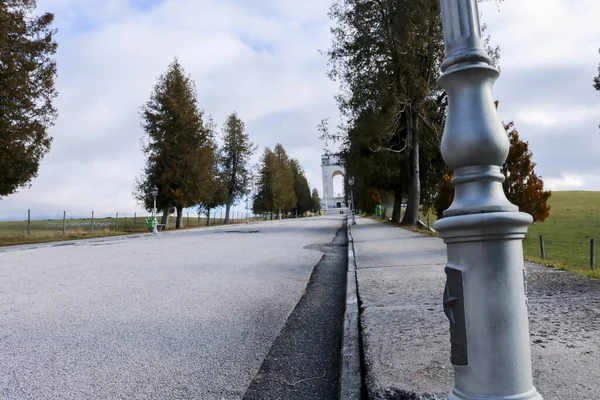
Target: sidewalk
(406, 344)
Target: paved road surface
(305, 359)
(189, 315)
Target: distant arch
(331, 166)
(338, 172)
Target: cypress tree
(27, 74)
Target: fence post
(198, 218)
(117, 223)
(542, 251)
(134, 220)
(592, 254)
(64, 222)
(188, 218)
(28, 222)
(92, 221)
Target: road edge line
(350, 373)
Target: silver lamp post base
(532, 395)
(486, 303)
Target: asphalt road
(304, 361)
(189, 315)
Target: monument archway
(331, 167)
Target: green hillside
(574, 220)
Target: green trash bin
(378, 212)
(150, 224)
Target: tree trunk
(165, 218)
(208, 217)
(411, 217)
(397, 206)
(279, 214)
(227, 208)
(179, 223)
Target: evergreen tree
(302, 190)
(386, 56)
(275, 183)
(234, 160)
(27, 74)
(282, 184)
(316, 201)
(216, 193)
(179, 146)
(263, 199)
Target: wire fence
(119, 222)
(579, 252)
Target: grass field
(574, 220)
(16, 232)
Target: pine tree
(263, 199)
(316, 201)
(27, 74)
(179, 146)
(215, 194)
(386, 56)
(275, 183)
(301, 189)
(235, 161)
(284, 197)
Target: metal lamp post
(247, 212)
(154, 192)
(485, 297)
(351, 183)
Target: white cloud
(566, 182)
(550, 116)
(549, 57)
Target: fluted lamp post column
(484, 299)
(247, 211)
(154, 192)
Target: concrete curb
(350, 374)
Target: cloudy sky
(261, 58)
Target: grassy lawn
(574, 220)
(15, 232)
